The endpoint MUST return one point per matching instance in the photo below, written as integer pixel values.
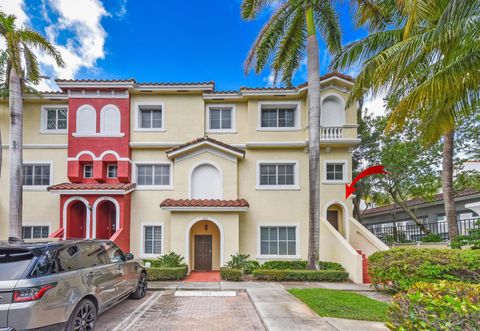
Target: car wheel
(83, 317)
(141, 289)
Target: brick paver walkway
(200, 313)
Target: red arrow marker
(378, 169)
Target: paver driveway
(164, 311)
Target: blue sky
(155, 40)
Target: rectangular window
(54, 118)
(278, 240)
(36, 174)
(278, 117)
(152, 240)
(88, 171)
(34, 232)
(150, 117)
(277, 174)
(335, 171)
(153, 174)
(221, 118)
(112, 171)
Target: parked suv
(64, 284)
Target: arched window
(333, 112)
(206, 182)
(110, 119)
(86, 120)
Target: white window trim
(43, 120)
(84, 171)
(38, 187)
(137, 116)
(298, 115)
(29, 224)
(296, 176)
(345, 172)
(297, 256)
(152, 187)
(142, 239)
(233, 107)
(111, 165)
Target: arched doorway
(77, 220)
(205, 246)
(336, 217)
(106, 219)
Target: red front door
(77, 220)
(106, 220)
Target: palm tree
(425, 56)
(21, 68)
(289, 35)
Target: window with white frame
(221, 118)
(36, 174)
(54, 118)
(335, 171)
(112, 171)
(35, 232)
(153, 174)
(150, 117)
(278, 240)
(152, 239)
(277, 174)
(279, 116)
(87, 170)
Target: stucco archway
(79, 217)
(213, 229)
(342, 216)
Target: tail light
(31, 293)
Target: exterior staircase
(366, 276)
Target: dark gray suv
(64, 285)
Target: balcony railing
(391, 233)
(331, 132)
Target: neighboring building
(160, 167)
(390, 223)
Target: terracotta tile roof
(129, 80)
(417, 202)
(215, 203)
(338, 74)
(92, 186)
(206, 138)
(176, 83)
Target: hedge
(177, 273)
(398, 269)
(285, 265)
(300, 275)
(325, 265)
(440, 306)
(231, 274)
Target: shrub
(170, 260)
(285, 265)
(325, 265)
(432, 238)
(176, 273)
(398, 269)
(242, 262)
(441, 306)
(231, 274)
(300, 275)
(472, 239)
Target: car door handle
(90, 274)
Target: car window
(14, 263)
(83, 255)
(114, 253)
(45, 264)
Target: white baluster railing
(331, 132)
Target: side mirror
(129, 256)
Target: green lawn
(342, 304)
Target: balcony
(331, 132)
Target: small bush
(170, 260)
(398, 269)
(235, 275)
(242, 262)
(472, 239)
(432, 238)
(441, 306)
(300, 275)
(285, 265)
(325, 265)
(176, 273)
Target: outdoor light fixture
(206, 226)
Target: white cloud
(376, 105)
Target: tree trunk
(314, 141)
(409, 212)
(16, 157)
(357, 212)
(447, 185)
(1, 153)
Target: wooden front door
(203, 252)
(332, 217)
